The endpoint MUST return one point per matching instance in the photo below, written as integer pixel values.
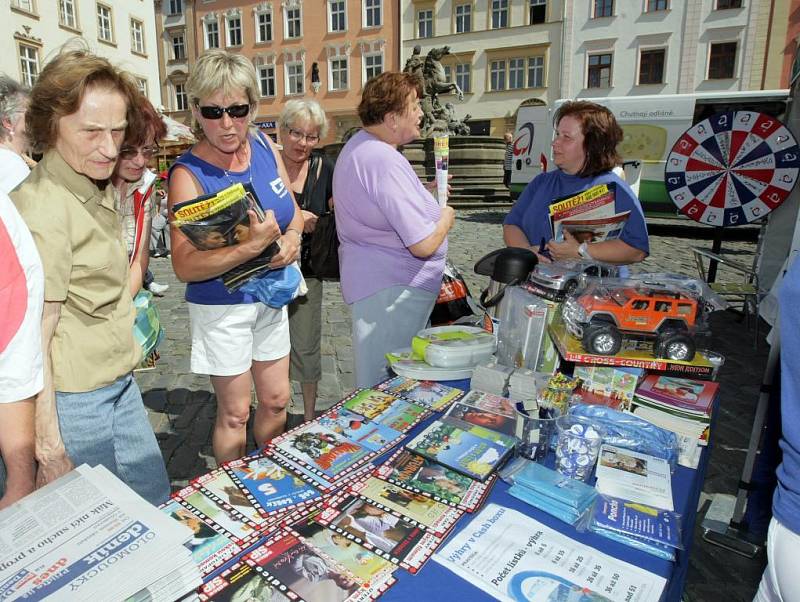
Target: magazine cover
(323, 450)
(240, 583)
(617, 382)
(272, 487)
(490, 403)
(463, 451)
(210, 550)
(590, 216)
(437, 517)
(695, 396)
(387, 534)
(286, 561)
(220, 219)
(357, 428)
(473, 416)
(428, 393)
(218, 485)
(219, 515)
(438, 482)
(365, 565)
(385, 408)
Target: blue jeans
(109, 426)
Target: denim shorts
(109, 426)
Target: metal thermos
(505, 267)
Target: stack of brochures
(88, 536)
(491, 377)
(565, 498)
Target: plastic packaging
(454, 346)
(626, 430)
(559, 279)
(535, 429)
(523, 329)
(579, 441)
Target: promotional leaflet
(220, 487)
(240, 582)
(634, 476)
(427, 393)
(218, 515)
(489, 402)
(514, 557)
(374, 436)
(385, 408)
(465, 416)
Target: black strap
(311, 179)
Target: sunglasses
(129, 152)
(234, 111)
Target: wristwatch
(583, 251)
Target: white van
(652, 125)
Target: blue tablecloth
(435, 582)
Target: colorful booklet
(386, 533)
(428, 393)
(271, 487)
(303, 573)
(420, 475)
(437, 517)
(490, 403)
(685, 394)
(385, 408)
(237, 583)
(210, 550)
(474, 455)
(219, 515)
(357, 428)
(220, 487)
(469, 415)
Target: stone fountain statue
(437, 118)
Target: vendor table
(435, 582)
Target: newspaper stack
(492, 378)
(88, 536)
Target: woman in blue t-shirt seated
(585, 152)
(237, 340)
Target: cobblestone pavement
(182, 407)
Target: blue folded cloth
(275, 288)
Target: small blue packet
(551, 484)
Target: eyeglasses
(129, 152)
(297, 136)
(234, 111)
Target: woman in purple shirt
(393, 233)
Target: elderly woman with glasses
(302, 124)
(134, 184)
(90, 410)
(236, 340)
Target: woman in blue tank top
(236, 340)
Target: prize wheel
(732, 168)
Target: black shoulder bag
(323, 255)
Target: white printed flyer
(516, 558)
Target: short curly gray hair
(13, 102)
(303, 110)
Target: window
(293, 22)
(536, 72)
(266, 80)
(599, 71)
(448, 73)
(263, 27)
(516, 74)
(141, 83)
(497, 75)
(175, 7)
(425, 23)
(104, 28)
(178, 48)
(66, 14)
(536, 11)
(373, 65)
(181, 98)
(722, 60)
(651, 66)
(372, 13)
(28, 64)
(26, 5)
(723, 4)
(336, 16)
(294, 78)
(499, 14)
(234, 30)
(137, 36)
(212, 34)
(463, 18)
(603, 8)
(464, 77)
(654, 5)
(338, 73)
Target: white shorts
(226, 339)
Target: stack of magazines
(88, 536)
(217, 220)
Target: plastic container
(534, 433)
(578, 445)
(454, 346)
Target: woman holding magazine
(236, 340)
(585, 152)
